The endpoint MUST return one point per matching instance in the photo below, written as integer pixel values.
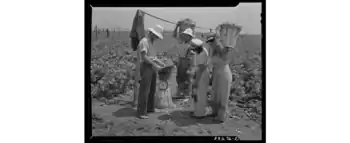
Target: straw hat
(211, 37)
(189, 32)
(158, 31)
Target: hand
(160, 62)
(157, 67)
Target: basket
(181, 26)
(164, 73)
(228, 33)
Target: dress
(222, 79)
(202, 79)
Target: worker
(149, 65)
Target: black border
(66, 57)
(140, 138)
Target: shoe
(196, 117)
(133, 105)
(143, 117)
(152, 111)
(218, 120)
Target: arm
(143, 48)
(160, 62)
(148, 60)
(208, 59)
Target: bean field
(112, 67)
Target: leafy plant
(246, 84)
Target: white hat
(189, 32)
(158, 31)
(196, 42)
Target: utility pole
(96, 30)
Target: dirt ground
(119, 119)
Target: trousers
(147, 89)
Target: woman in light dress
(222, 77)
(201, 81)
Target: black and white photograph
(177, 71)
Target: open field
(248, 43)
(112, 93)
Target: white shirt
(144, 45)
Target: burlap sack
(163, 98)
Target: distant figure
(96, 31)
(107, 33)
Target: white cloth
(203, 57)
(196, 42)
(203, 84)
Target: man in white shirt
(149, 66)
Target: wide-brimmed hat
(158, 31)
(196, 42)
(189, 32)
(211, 37)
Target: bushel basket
(228, 34)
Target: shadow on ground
(183, 118)
(123, 102)
(124, 112)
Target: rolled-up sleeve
(142, 47)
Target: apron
(200, 91)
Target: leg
(150, 105)
(224, 94)
(215, 94)
(223, 106)
(136, 92)
(137, 82)
(144, 92)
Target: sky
(246, 15)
